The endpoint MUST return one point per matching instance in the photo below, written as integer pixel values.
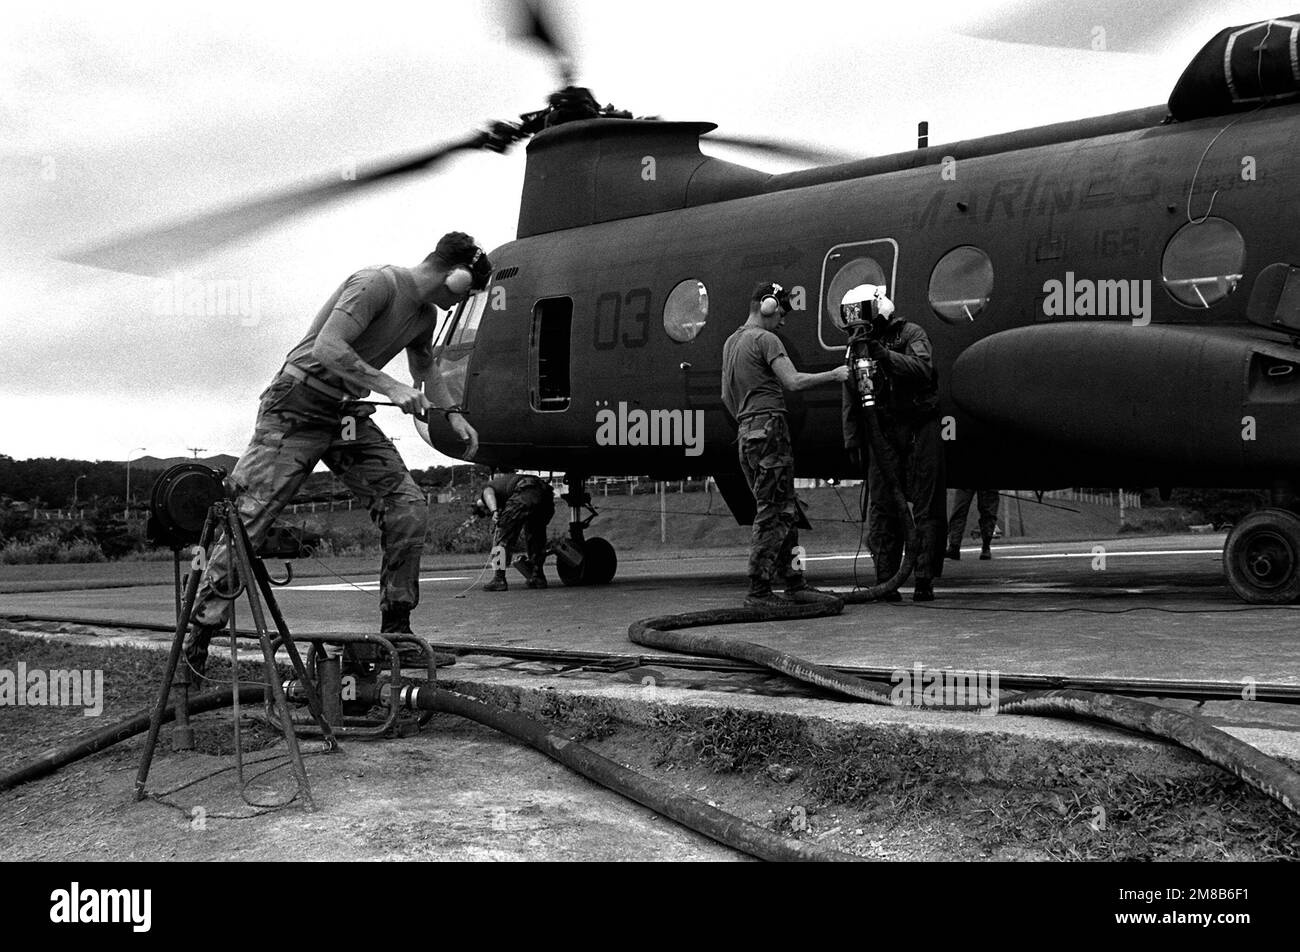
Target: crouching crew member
(907, 409)
(755, 373)
(308, 415)
(519, 505)
(988, 501)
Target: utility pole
(196, 450)
(74, 489)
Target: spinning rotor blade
(1119, 26)
(801, 153)
(163, 248)
(535, 26)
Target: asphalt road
(1135, 607)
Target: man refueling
(898, 369)
(310, 414)
(756, 372)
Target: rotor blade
(802, 153)
(161, 249)
(534, 26)
(1119, 26)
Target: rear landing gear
(579, 560)
(1262, 557)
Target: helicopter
(1111, 301)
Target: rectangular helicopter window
(549, 354)
(446, 324)
(470, 313)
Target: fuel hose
(669, 633)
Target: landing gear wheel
(599, 563)
(1262, 557)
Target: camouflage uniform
(528, 510)
(767, 460)
(296, 428)
(988, 509)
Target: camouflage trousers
(526, 512)
(297, 428)
(767, 460)
(988, 510)
(918, 455)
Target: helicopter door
(548, 355)
(846, 266)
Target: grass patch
(132, 677)
(892, 778)
(581, 718)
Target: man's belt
(761, 414)
(315, 383)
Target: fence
(1112, 498)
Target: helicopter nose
(437, 432)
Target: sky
(123, 115)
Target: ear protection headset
(772, 300)
(471, 276)
(459, 280)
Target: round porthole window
(1203, 262)
(687, 310)
(961, 284)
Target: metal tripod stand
(245, 567)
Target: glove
(876, 350)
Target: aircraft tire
(1261, 557)
(599, 562)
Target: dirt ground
(459, 791)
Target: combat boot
(497, 583)
(985, 554)
(761, 595)
(954, 553)
(797, 589)
(538, 580)
(924, 591)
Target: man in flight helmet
(904, 390)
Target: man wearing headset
(755, 373)
(907, 409)
(309, 414)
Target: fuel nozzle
(864, 371)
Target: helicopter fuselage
(1074, 345)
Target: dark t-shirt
(749, 384)
(504, 485)
(382, 304)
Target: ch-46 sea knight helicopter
(1112, 301)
